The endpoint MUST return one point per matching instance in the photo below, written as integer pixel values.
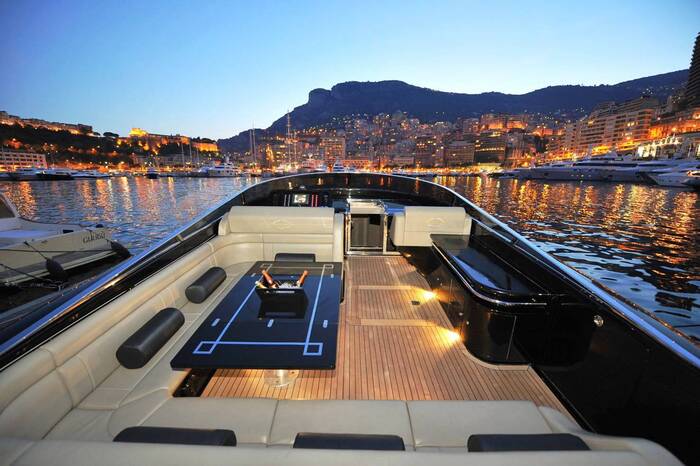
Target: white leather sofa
(415, 224)
(271, 230)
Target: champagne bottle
(269, 280)
(302, 278)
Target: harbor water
(641, 241)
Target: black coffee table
(235, 336)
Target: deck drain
(415, 303)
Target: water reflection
(641, 241)
(140, 211)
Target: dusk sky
(213, 68)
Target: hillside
(430, 105)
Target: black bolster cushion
(140, 347)
(294, 257)
(348, 441)
(200, 290)
(144, 434)
(525, 442)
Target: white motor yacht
(693, 180)
(637, 169)
(225, 170)
(90, 174)
(25, 174)
(346, 318)
(53, 174)
(675, 177)
(31, 250)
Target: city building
(692, 89)
(402, 160)
(333, 148)
(674, 145)
(679, 122)
(7, 119)
(490, 147)
(11, 160)
(470, 126)
(152, 142)
(492, 121)
(426, 151)
(609, 126)
(458, 153)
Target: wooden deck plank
(392, 349)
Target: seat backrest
(43, 386)
(307, 230)
(415, 224)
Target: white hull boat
(93, 174)
(227, 170)
(31, 250)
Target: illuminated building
(492, 121)
(692, 89)
(13, 159)
(205, 145)
(490, 147)
(470, 126)
(459, 153)
(402, 160)
(609, 126)
(675, 145)
(7, 119)
(152, 142)
(683, 121)
(333, 148)
(425, 151)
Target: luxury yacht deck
(395, 343)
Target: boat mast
(288, 142)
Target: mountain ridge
(429, 105)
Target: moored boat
(152, 173)
(225, 170)
(693, 180)
(31, 250)
(25, 174)
(675, 177)
(90, 174)
(56, 174)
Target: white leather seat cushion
(249, 418)
(448, 424)
(280, 220)
(340, 416)
(119, 454)
(415, 224)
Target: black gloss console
(302, 199)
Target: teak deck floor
(392, 349)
